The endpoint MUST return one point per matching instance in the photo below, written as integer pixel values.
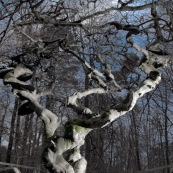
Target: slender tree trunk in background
(17, 138)
(100, 165)
(1, 131)
(30, 140)
(12, 131)
(112, 148)
(129, 153)
(44, 142)
(136, 141)
(162, 152)
(87, 151)
(25, 136)
(161, 144)
(34, 147)
(166, 131)
(2, 124)
(39, 147)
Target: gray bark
(12, 131)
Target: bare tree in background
(115, 30)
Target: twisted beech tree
(87, 21)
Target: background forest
(54, 38)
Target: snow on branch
(51, 121)
(102, 78)
(151, 64)
(26, 91)
(73, 100)
(62, 154)
(108, 73)
(76, 130)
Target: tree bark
(136, 141)
(166, 131)
(12, 131)
(17, 138)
